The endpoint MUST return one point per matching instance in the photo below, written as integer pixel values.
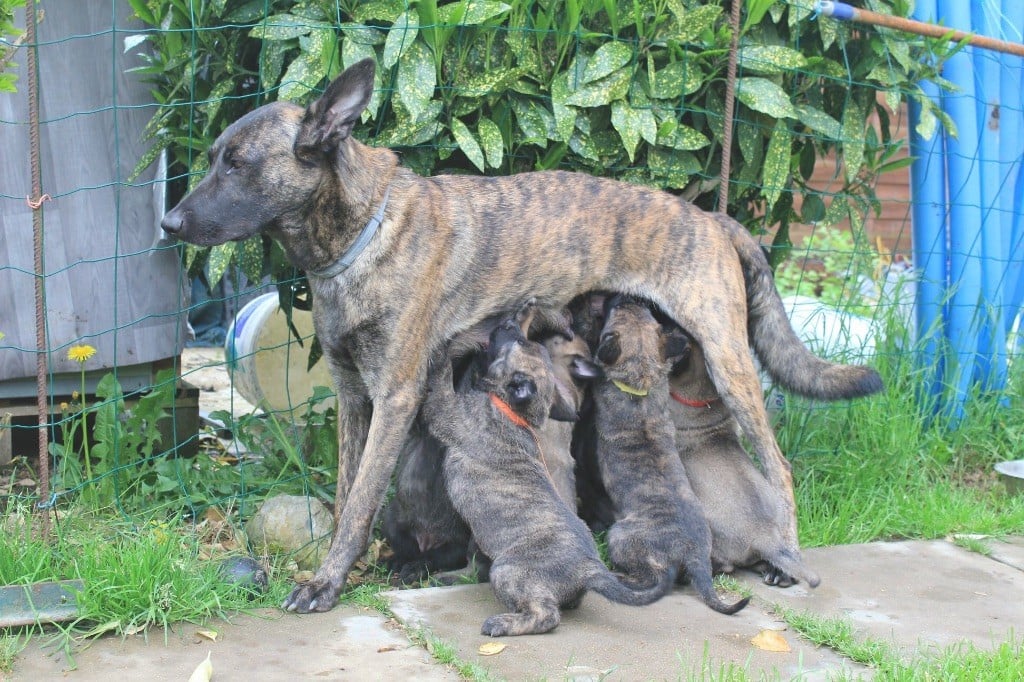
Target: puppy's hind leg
(534, 618)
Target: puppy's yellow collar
(626, 388)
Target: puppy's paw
(317, 595)
(499, 625)
(777, 577)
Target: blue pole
(1011, 159)
(965, 214)
(991, 348)
(928, 221)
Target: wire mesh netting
(132, 94)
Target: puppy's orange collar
(692, 403)
(504, 408)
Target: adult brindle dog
(398, 264)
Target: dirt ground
(206, 369)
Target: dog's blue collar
(345, 261)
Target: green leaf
(416, 80)
(467, 143)
(536, 122)
(307, 70)
(776, 163)
(603, 91)
(250, 258)
(749, 137)
(756, 10)
(285, 27)
(676, 80)
(406, 132)
(818, 120)
(382, 10)
(477, 11)
(608, 58)
(490, 82)
(683, 138)
(763, 95)
(565, 116)
(218, 261)
(400, 38)
(690, 25)
(853, 140)
(770, 59)
(674, 169)
(491, 141)
(363, 34)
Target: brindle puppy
(543, 555)
(422, 528)
(660, 525)
(747, 516)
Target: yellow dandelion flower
(64, 407)
(74, 395)
(81, 353)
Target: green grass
(880, 468)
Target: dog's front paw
(316, 595)
(499, 625)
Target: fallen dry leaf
(211, 635)
(25, 483)
(770, 640)
(389, 647)
(203, 671)
(491, 648)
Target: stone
(293, 525)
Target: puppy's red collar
(692, 403)
(504, 408)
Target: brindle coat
(748, 517)
(453, 250)
(659, 523)
(543, 556)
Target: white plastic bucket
(267, 364)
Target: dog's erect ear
(330, 119)
(677, 345)
(582, 368)
(562, 409)
(609, 350)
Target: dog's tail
(611, 587)
(781, 352)
(790, 563)
(698, 569)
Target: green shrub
(633, 89)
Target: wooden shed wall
(106, 284)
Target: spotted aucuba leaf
(603, 91)
(477, 11)
(776, 163)
(675, 80)
(491, 141)
(218, 260)
(853, 140)
(467, 143)
(608, 58)
(819, 121)
(770, 59)
(416, 80)
(250, 258)
(763, 95)
(401, 36)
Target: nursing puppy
(747, 516)
(419, 523)
(660, 525)
(543, 556)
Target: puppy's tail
(780, 350)
(609, 586)
(699, 571)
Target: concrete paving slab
(347, 643)
(916, 595)
(1009, 551)
(674, 638)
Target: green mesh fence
(133, 93)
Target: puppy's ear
(582, 368)
(330, 119)
(677, 346)
(609, 350)
(562, 409)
